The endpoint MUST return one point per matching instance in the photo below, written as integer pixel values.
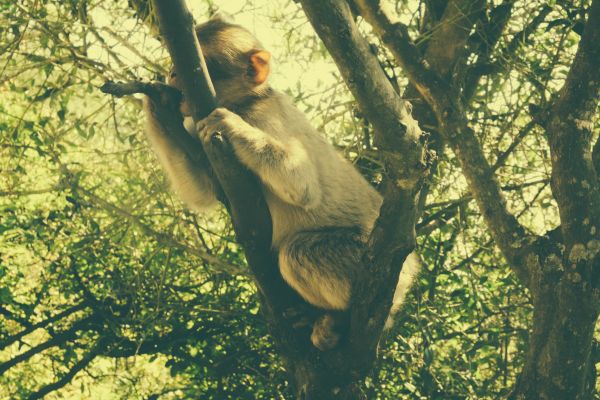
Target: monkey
(322, 208)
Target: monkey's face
(236, 62)
(232, 83)
(243, 77)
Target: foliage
(109, 287)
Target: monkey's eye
(217, 70)
(173, 74)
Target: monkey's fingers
(209, 134)
(201, 131)
(158, 92)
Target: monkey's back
(347, 199)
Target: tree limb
(13, 338)
(66, 378)
(445, 102)
(395, 37)
(56, 340)
(397, 133)
(483, 66)
(450, 36)
(574, 178)
(249, 212)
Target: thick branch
(177, 29)
(508, 232)
(447, 44)
(444, 100)
(395, 37)
(574, 178)
(445, 47)
(396, 133)
(248, 209)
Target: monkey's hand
(163, 99)
(162, 107)
(222, 122)
(276, 161)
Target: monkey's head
(237, 62)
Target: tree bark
(560, 362)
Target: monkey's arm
(285, 167)
(190, 182)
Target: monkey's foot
(323, 336)
(298, 317)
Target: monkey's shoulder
(275, 114)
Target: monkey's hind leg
(327, 329)
(321, 266)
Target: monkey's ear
(259, 67)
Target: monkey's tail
(410, 269)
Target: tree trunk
(559, 362)
(313, 383)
